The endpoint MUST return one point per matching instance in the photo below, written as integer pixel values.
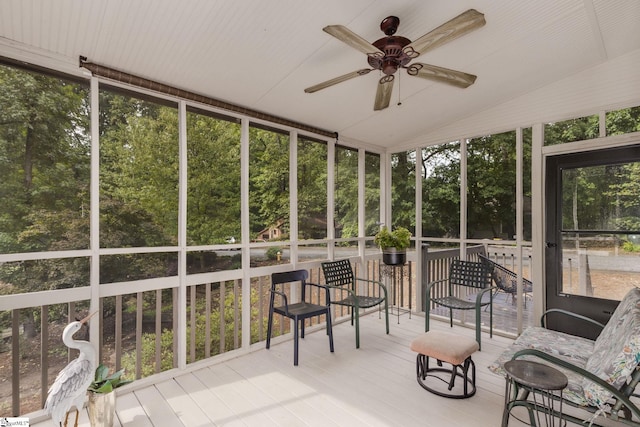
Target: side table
(531, 379)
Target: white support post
(293, 197)
(94, 275)
(418, 230)
(519, 226)
(537, 211)
(246, 233)
(331, 199)
(385, 189)
(361, 204)
(182, 235)
(463, 196)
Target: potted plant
(102, 400)
(393, 244)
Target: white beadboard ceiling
(262, 54)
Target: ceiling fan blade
(445, 75)
(347, 36)
(450, 30)
(383, 94)
(337, 80)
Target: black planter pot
(393, 256)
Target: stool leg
(468, 363)
(454, 373)
(465, 372)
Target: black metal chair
(339, 276)
(507, 280)
(299, 311)
(474, 276)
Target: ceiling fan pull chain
(399, 101)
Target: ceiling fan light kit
(392, 52)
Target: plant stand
(396, 273)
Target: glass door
(592, 233)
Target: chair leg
(490, 317)
(386, 314)
(478, 327)
(269, 327)
(426, 318)
(357, 327)
(295, 342)
(330, 331)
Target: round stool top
(535, 375)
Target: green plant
(400, 238)
(272, 252)
(628, 246)
(105, 383)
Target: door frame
(596, 308)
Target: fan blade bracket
(410, 52)
(386, 79)
(441, 74)
(375, 60)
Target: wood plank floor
(371, 386)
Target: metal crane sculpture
(70, 387)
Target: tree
(213, 200)
(346, 192)
(312, 189)
(441, 190)
(403, 190)
(268, 180)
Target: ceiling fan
(392, 52)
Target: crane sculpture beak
(86, 319)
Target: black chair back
(338, 273)
(289, 277)
(469, 273)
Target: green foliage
(268, 179)
(578, 129)
(105, 383)
(403, 189)
(346, 192)
(148, 354)
(44, 168)
(623, 121)
(312, 189)
(148, 345)
(441, 190)
(272, 252)
(399, 238)
(628, 246)
(213, 186)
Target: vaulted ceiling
(263, 54)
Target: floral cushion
(617, 350)
(575, 350)
(613, 356)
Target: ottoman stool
(453, 349)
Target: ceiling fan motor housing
(393, 57)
